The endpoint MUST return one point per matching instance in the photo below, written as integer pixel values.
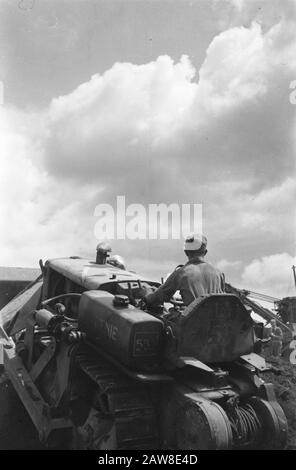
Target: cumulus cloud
(226, 264)
(40, 217)
(244, 12)
(159, 117)
(269, 274)
(161, 132)
(127, 115)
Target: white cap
(195, 241)
(104, 247)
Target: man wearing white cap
(117, 261)
(194, 279)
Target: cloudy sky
(160, 101)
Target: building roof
(8, 273)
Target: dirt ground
(283, 376)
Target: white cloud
(225, 264)
(156, 116)
(40, 216)
(271, 211)
(270, 274)
(234, 70)
(136, 102)
(159, 133)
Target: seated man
(194, 279)
(117, 261)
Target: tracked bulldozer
(95, 369)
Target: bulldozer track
(125, 400)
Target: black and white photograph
(148, 227)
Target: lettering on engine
(110, 329)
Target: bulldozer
(96, 369)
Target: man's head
(273, 323)
(195, 245)
(103, 251)
(117, 261)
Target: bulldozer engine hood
(92, 276)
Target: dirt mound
(283, 377)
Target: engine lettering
(110, 329)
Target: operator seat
(213, 328)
